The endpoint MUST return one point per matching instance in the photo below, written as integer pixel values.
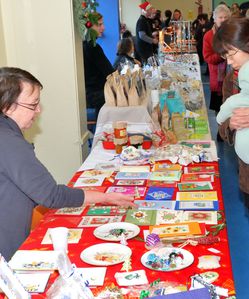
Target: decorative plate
(167, 259)
(116, 231)
(105, 254)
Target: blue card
(197, 205)
(202, 293)
(155, 204)
(132, 175)
(158, 193)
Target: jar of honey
(120, 129)
(120, 143)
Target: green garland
(85, 18)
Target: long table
(137, 246)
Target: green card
(141, 217)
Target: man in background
(145, 39)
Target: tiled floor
(236, 214)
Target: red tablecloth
(137, 246)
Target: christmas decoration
(85, 17)
(127, 264)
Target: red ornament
(88, 24)
(83, 4)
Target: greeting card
(132, 175)
(70, 211)
(129, 190)
(106, 210)
(197, 205)
(166, 167)
(191, 177)
(195, 186)
(161, 184)
(97, 188)
(83, 182)
(131, 278)
(168, 216)
(207, 217)
(74, 235)
(179, 229)
(198, 195)
(155, 193)
(141, 217)
(34, 282)
(94, 221)
(133, 168)
(95, 276)
(203, 169)
(170, 175)
(129, 182)
(155, 204)
(95, 173)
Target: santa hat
(145, 6)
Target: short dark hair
(11, 80)
(124, 46)
(202, 16)
(168, 13)
(127, 34)
(232, 33)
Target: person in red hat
(144, 37)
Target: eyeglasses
(32, 107)
(226, 56)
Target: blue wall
(110, 11)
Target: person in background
(97, 67)
(25, 182)
(168, 15)
(232, 42)
(243, 8)
(216, 64)
(144, 37)
(177, 15)
(128, 34)
(235, 11)
(202, 27)
(125, 54)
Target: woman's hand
(239, 119)
(116, 199)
